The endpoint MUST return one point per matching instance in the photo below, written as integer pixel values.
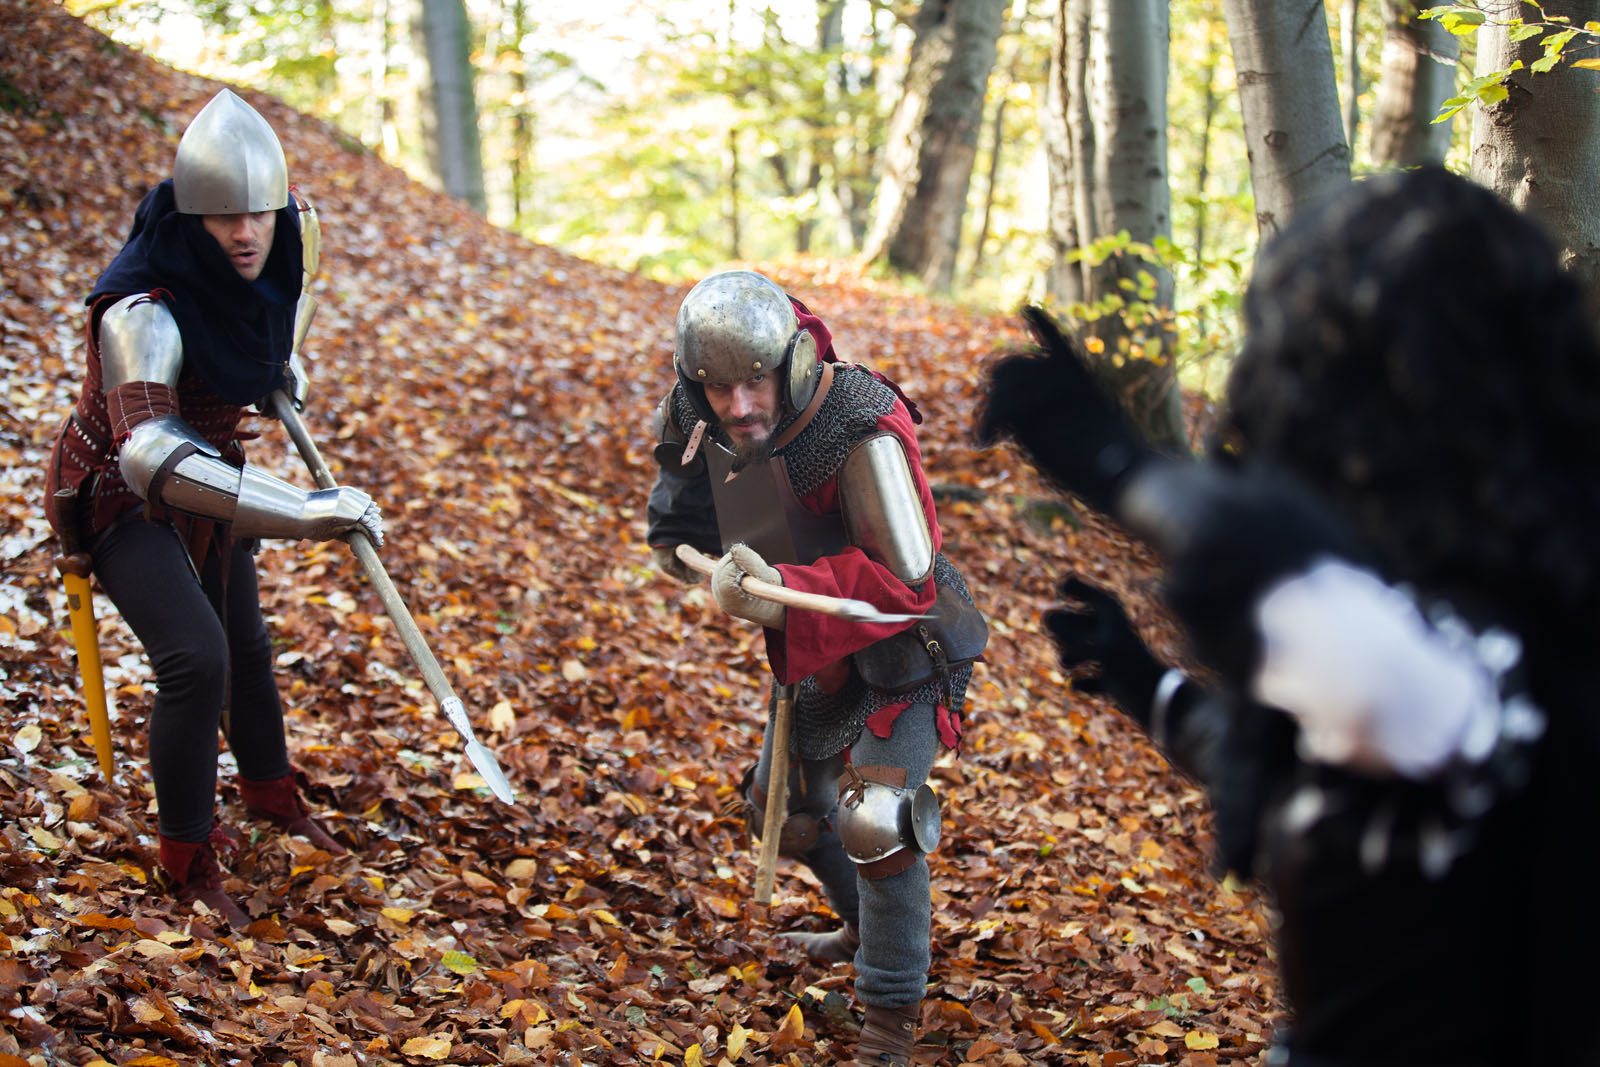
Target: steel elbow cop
(165, 460)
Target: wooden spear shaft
(393, 603)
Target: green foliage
(1174, 1007)
(1199, 335)
(721, 120)
(1487, 90)
(1556, 38)
(757, 134)
(1213, 210)
(19, 101)
(159, 122)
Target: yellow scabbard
(86, 638)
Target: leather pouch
(955, 636)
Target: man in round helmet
(191, 324)
(806, 472)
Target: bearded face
(748, 413)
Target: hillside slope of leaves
(493, 395)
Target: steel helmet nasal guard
(229, 161)
(736, 325)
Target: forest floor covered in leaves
(493, 395)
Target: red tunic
(813, 643)
(811, 640)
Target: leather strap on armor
(802, 420)
(165, 461)
(158, 480)
(799, 832)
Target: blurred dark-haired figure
(1390, 566)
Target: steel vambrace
(165, 460)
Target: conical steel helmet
(229, 161)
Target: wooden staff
(839, 607)
(777, 796)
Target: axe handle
(777, 784)
(777, 594)
(367, 553)
(777, 796)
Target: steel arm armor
(139, 342)
(298, 380)
(164, 459)
(883, 513)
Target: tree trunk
(1068, 145)
(1418, 76)
(1208, 112)
(1283, 59)
(1002, 95)
(930, 54)
(830, 37)
(380, 116)
(1107, 144)
(857, 164)
(522, 168)
(1540, 146)
(1350, 44)
(449, 107)
(1128, 92)
(923, 195)
(998, 135)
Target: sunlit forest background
(670, 137)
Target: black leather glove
(1099, 633)
(1049, 403)
(1229, 536)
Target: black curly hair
(1415, 353)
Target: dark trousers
(208, 646)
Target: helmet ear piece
(802, 369)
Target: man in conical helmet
(805, 472)
(190, 325)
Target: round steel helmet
(229, 161)
(736, 325)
